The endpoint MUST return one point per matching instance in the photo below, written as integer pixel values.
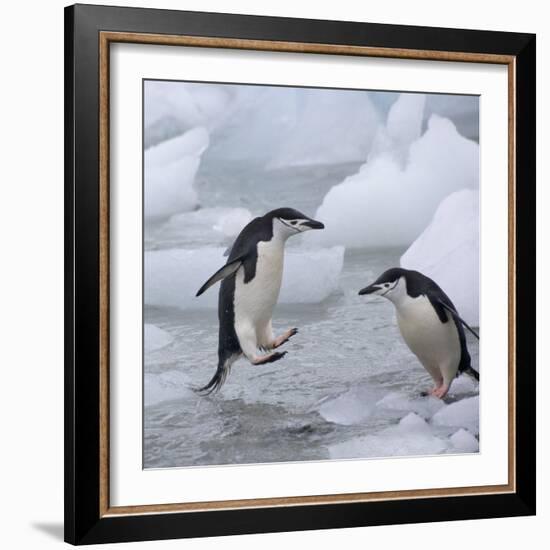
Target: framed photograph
(300, 274)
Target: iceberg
(403, 127)
(393, 197)
(172, 108)
(448, 252)
(332, 126)
(275, 126)
(173, 276)
(169, 173)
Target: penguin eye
(386, 285)
(293, 222)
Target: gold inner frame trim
(105, 39)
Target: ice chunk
(351, 407)
(448, 252)
(155, 338)
(464, 384)
(165, 386)
(412, 436)
(460, 414)
(386, 205)
(464, 442)
(173, 276)
(170, 170)
(423, 406)
(414, 422)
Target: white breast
(436, 344)
(255, 300)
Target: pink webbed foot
(270, 358)
(441, 392)
(284, 338)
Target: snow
(447, 251)
(170, 170)
(155, 338)
(393, 197)
(173, 276)
(460, 414)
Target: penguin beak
(314, 224)
(371, 289)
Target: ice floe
(411, 436)
(173, 276)
(421, 425)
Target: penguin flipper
(225, 271)
(457, 316)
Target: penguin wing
(453, 312)
(228, 250)
(228, 269)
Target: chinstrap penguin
(429, 324)
(250, 285)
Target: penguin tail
(472, 372)
(217, 381)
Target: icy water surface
(348, 388)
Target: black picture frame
(84, 522)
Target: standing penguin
(251, 281)
(429, 324)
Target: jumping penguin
(429, 324)
(250, 285)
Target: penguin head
(288, 222)
(392, 284)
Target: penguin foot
(440, 392)
(284, 338)
(271, 358)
